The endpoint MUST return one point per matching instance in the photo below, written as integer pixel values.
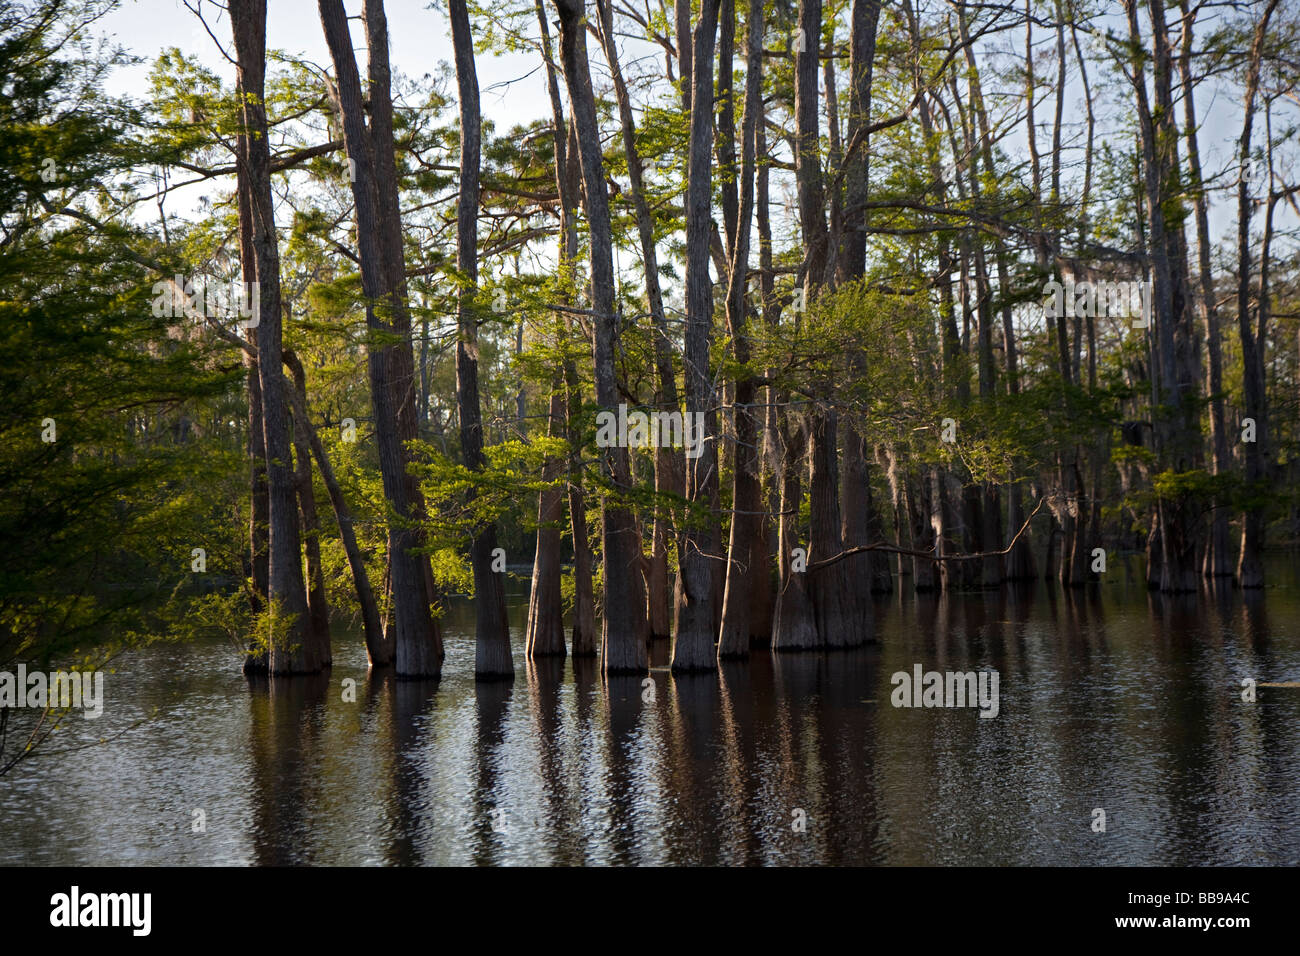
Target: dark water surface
(1110, 698)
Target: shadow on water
(1110, 699)
(492, 701)
(286, 719)
(412, 706)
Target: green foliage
(124, 395)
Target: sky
(419, 38)
(513, 87)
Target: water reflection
(286, 722)
(1110, 698)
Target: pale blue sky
(419, 38)
(514, 89)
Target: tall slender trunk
(318, 612)
(745, 561)
(401, 357)
(624, 626)
(952, 373)
(417, 638)
(1090, 527)
(492, 658)
(584, 639)
(1021, 564)
(379, 646)
(1184, 551)
(682, 27)
(697, 598)
(763, 603)
(544, 632)
(807, 160)
(1176, 425)
(255, 659)
(984, 504)
(1164, 394)
(1217, 562)
(668, 461)
(290, 650)
(1070, 515)
(829, 586)
(834, 162)
(861, 521)
(725, 135)
(1250, 564)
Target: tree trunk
(746, 562)
(1250, 564)
(917, 487)
(318, 612)
(1181, 525)
(255, 660)
(696, 595)
(417, 639)
(379, 648)
(290, 650)
(544, 636)
(1217, 563)
(401, 357)
(725, 110)
(763, 605)
(669, 468)
(807, 160)
(492, 659)
(828, 587)
(583, 638)
(624, 626)
(867, 572)
(545, 632)
(682, 23)
(838, 622)
(794, 625)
